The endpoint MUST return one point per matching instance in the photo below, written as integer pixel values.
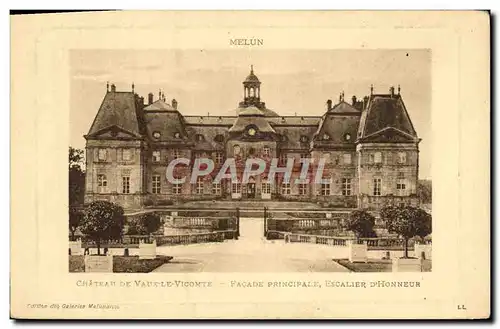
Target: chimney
(174, 104)
(142, 100)
(150, 98)
(391, 91)
(329, 105)
(133, 87)
(353, 100)
(107, 86)
(399, 89)
(113, 88)
(365, 102)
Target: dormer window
(177, 135)
(326, 137)
(304, 139)
(283, 120)
(199, 138)
(156, 134)
(219, 138)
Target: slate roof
(385, 111)
(344, 107)
(167, 123)
(265, 111)
(208, 134)
(117, 109)
(160, 105)
(291, 137)
(259, 121)
(337, 127)
(384, 120)
(209, 120)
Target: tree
(75, 218)
(102, 220)
(424, 191)
(76, 176)
(407, 222)
(361, 223)
(147, 223)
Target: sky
(294, 82)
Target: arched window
(251, 92)
(236, 150)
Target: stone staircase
(245, 205)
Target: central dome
(251, 77)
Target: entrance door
(251, 190)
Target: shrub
(102, 220)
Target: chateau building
(369, 146)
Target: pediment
(114, 131)
(389, 135)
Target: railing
(316, 239)
(134, 240)
(201, 222)
(372, 243)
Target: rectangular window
(282, 158)
(177, 188)
(102, 184)
(156, 184)
(216, 188)
(266, 151)
(102, 154)
(325, 189)
(402, 157)
(126, 155)
(156, 156)
(126, 184)
(285, 188)
(219, 158)
(388, 158)
(176, 154)
(199, 185)
(347, 159)
(236, 188)
(401, 184)
(346, 186)
(302, 189)
(377, 186)
(377, 158)
(266, 188)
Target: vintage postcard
(250, 165)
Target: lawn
(123, 264)
(377, 265)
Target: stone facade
(369, 148)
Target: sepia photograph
(253, 165)
(250, 161)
